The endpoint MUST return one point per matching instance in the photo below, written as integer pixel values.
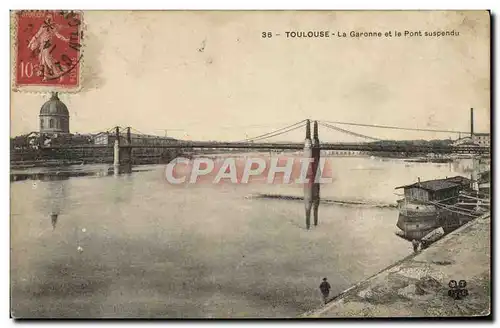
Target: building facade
(478, 139)
(107, 138)
(344, 153)
(482, 139)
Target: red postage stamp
(48, 50)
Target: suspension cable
(396, 127)
(280, 133)
(347, 131)
(275, 132)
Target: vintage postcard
(250, 164)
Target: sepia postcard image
(250, 164)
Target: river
(135, 246)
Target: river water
(135, 246)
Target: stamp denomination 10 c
(48, 50)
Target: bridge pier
(122, 154)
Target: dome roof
(54, 106)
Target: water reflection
(54, 220)
(308, 217)
(311, 202)
(55, 195)
(46, 176)
(122, 169)
(315, 211)
(469, 165)
(64, 173)
(123, 226)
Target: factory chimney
(472, 123)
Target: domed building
(54, 116)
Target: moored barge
(431, 204)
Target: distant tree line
(34, 141)
(408, 143)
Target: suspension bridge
(125, 145)
(137, 140)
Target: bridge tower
(316, 154)
(311, 189)
(307, 186)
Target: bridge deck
(298, 146)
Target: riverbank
(20, 165)
(417, 286)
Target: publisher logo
(458, 290)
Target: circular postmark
(65, 61)
(49, 47)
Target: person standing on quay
(415, 244)
(325, 289)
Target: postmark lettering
(48, 49)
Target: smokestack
(472, 122)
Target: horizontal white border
(257, 4)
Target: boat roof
(438, 184)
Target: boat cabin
(442, 190)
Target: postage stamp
(48, 50)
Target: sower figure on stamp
(325, 289)
(42, 45)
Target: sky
(211, 75)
